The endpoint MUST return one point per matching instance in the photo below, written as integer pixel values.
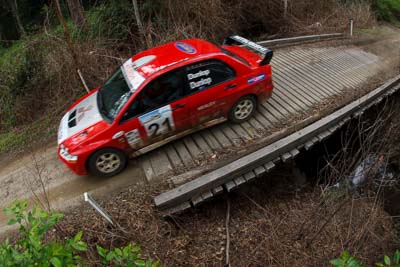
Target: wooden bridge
(303, 79)
(311, 83)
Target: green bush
(30, 249)
(14, 71)
(388, 10)
(20, 70)
(126, 256)
(387, 262)
(36, 247)
(37, 78)
(113, 20)
(348, 261)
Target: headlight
(65, 155)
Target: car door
(158, 111)
(208, 85)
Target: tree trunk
(14, 10)
(70, 46)
(66, 33)
(147, 39)
(76, 10)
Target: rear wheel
(107, 162)
(243, 109)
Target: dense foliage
(31, 249)
(389, 10)
(36, 246)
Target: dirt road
(40, 176)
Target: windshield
(113, 95)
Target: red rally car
(160, 95)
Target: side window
(159, 92)
(207, 74)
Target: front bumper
(76, 165)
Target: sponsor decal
(250, 44)
(186, 48)
(208, 105)
(158, 122)
(132, 77)
(83, 134)
(134, 139)
(256, 79)
(81, 112)
(69, 124)
(142, 61)
(201, 83)
(198, 74)
(204, 118)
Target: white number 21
(158, 122)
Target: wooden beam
(301, 39)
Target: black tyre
(107, 162)
(243, 109)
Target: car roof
(172, 53)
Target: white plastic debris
(373, 169)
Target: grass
(17, 140)
(373, 31)
(14, 72)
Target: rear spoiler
(267, 53)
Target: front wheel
(243, 109)
(107, 162)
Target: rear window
(229, 53)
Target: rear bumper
(266, 93)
